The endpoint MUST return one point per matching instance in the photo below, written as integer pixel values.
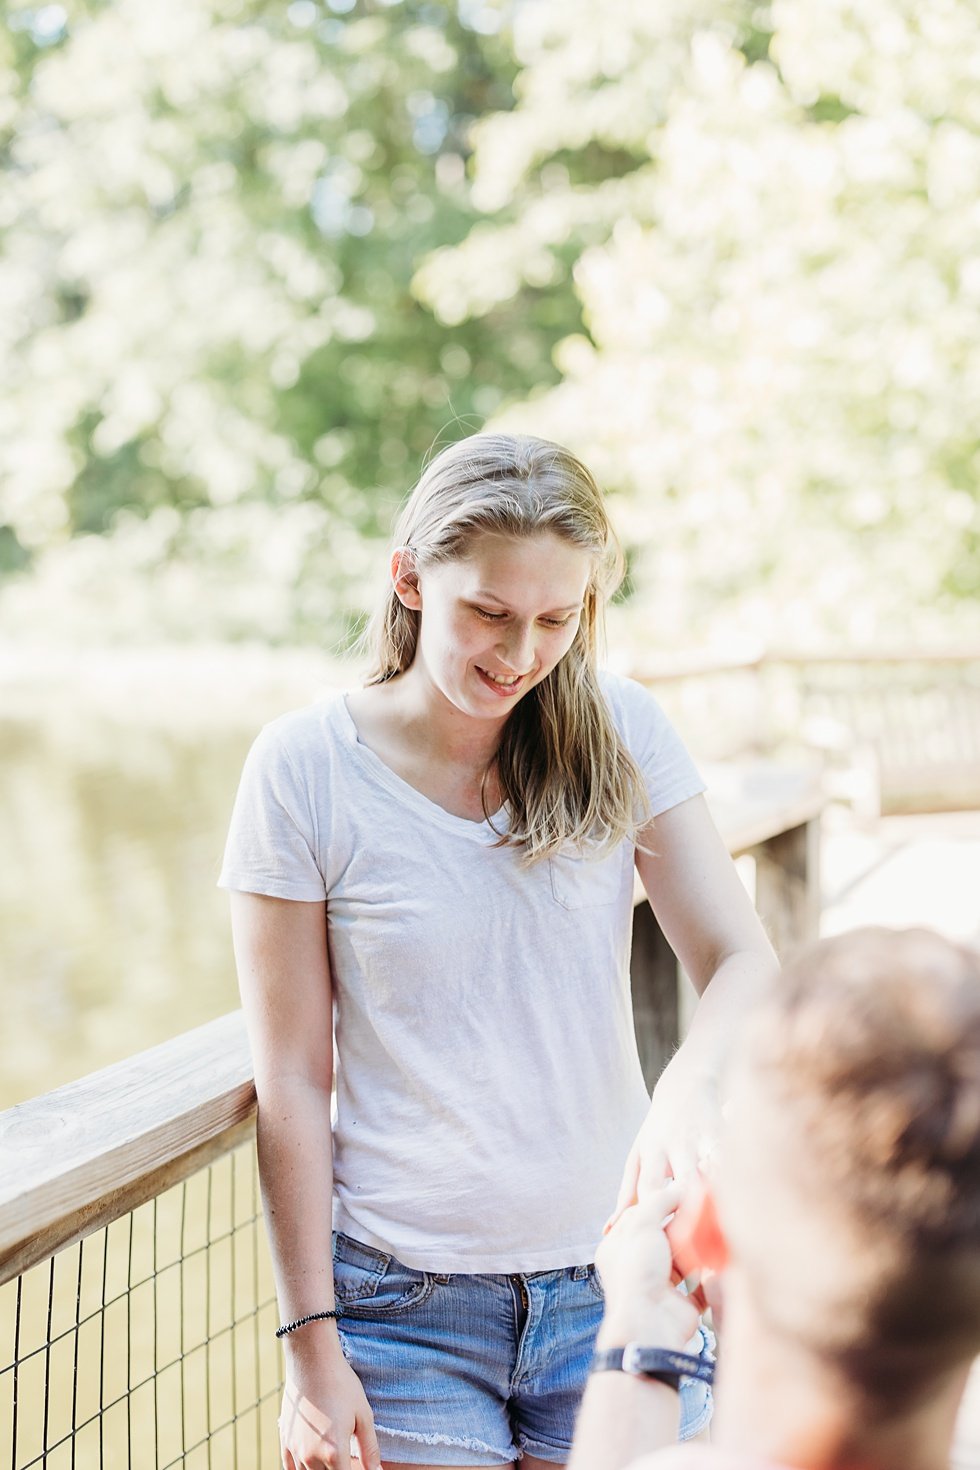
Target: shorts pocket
(595, 1281)
(372, 1281)
(587, 883)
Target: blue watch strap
(653, 1362)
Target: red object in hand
(681, 1232)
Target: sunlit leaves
(249, 275)
(781, 298)
(211, 217)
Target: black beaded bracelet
(288, 1327)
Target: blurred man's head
(848, 1185)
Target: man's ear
(405, 577)
(695, 1234)
(707, 1237)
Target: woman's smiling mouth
(501, 683)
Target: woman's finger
(693, 1289)
(627, 1190)
(367, 1440)
(288, 1463)
(629, 1183)
(660, 1199)
(654, 1172)
(656, 1204)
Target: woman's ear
(405, 577)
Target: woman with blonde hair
(438, 869)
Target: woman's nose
(517, 648)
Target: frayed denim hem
(446, 1441)
(691, 1431)
(554, 1454)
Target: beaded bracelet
(288, 1327)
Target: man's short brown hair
(860, 1079)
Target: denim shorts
(474, 1369)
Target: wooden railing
(98, 1148)
(137, 1312)
(906, 723)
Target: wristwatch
(652, 1362)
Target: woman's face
(497, 622)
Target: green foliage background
(257, 260)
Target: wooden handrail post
(787, 886)
(773, 814)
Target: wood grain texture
(754, 802)
(787, 886)
(656, 1002)
(78, 1157)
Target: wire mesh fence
(150, 1343)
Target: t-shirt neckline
(408, 794)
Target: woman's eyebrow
(492, 597)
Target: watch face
(633, 1355)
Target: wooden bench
(773, 813)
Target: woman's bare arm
(713, 929)
(284, 976)
(698, 897)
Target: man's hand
(623, 1416)
(635, 1262)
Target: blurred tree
(772, 213)
(743, 235)
(216, 379)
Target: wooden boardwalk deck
(902, 870)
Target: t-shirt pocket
(586, 883)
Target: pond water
(116, 783)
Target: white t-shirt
(488, 1085)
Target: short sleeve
(271, 847)
(668, 770)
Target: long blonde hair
(564, 772)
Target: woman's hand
(678, 1135)
(321, 1411)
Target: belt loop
(579, 1273)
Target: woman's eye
(492, 617)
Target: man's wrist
(656, 1325)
